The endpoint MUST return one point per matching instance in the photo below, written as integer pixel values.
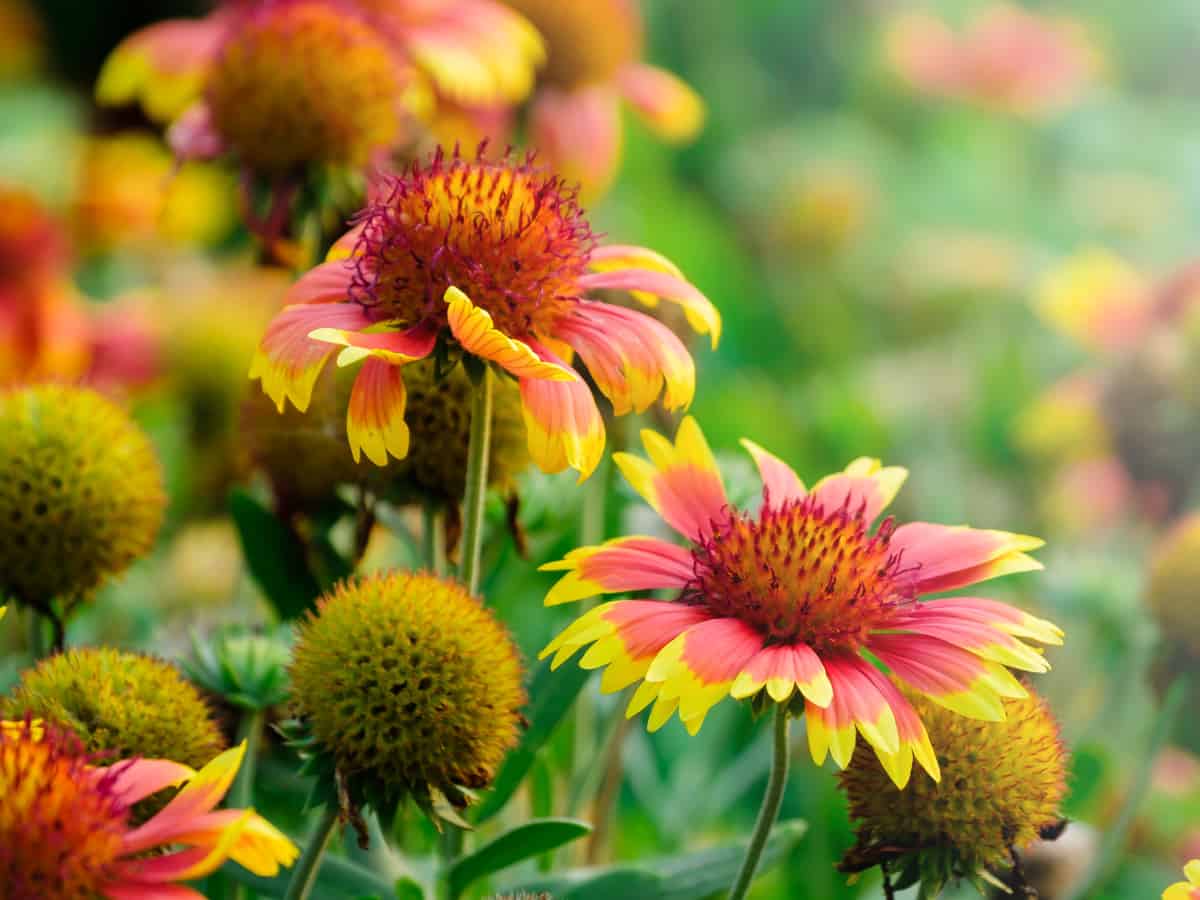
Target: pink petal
(952, 557)
(623, 564)
(578, 133)
(780, 481)
(666, 103)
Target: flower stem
(769, 810)
(477, 475)
(304, 876)
(250, 729)
(434, 539)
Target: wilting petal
(375, 416)
(649, 286)
(951, 557)
(622, 564)
(288, 361)
(474, 330)
(562, 423)
(626, 636)
(630, 356)
(700, 666)
(780, 481)
(666, 103)
(681, 480)
(863, 485)
(579, 134)
(783, 668)
(395, 347)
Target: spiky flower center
(509, 236)
(802, 572)
(587, 42)
(305, 81)
(61, 823)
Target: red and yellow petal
(680, 481)
(579, 134)
(631, 357)
(1000, 616)
(473, 329)
(1186, 890)
(914, 739)
(258, 846)
(375, 415)
(622, 564)
(780, 480)
(699, 666)
(135, 780)
(782, 669)
(628, 256)
(562, 423)
(951, 557)
(651, 285)
(288, 361)
(864, 484)
(347, 246)
(665, 102)
(974, 631)
(395, 347)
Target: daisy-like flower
(1186, 890)
(495, 259)
(594, 50)
(800, 600)
(286, 82)
(66, 829)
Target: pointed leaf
(274, 555)
(523, 842)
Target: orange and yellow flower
(494, 259)
(594, 50)
(66, 830)
(792, 599)
(1186, 890)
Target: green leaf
(552, 693)
(409, 889)
(687, 876)
(275, 556)
(337, 879)
(523, 842)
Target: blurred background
(985, 278)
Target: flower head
(409, 682)
(65, 824)
(1186, 890)
(81, 492)
(782, 605)
(1002, 784)
(495, 259)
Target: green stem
(449, 849)
(250, 730)
(769, 811)
(434, 539)
(477, 475)
(1114, 841)
(38, 647)
(304, 876)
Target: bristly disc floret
(802, 572)
(510, 236)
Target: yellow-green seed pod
(1002, 782)
(81, 493)
(120, 705)
(408, 680)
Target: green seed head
(408, 680)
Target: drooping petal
(395, 347)
(700, 665)
(473, 329)
(863, 484)
(195, 862)
(578, 133)
(257, 845)
(666, 103)
(951, 557)
(375, 415)
(783, 668)
(780, 480)
(288, 361)
(562, 423)
(914, 739)
(627, 256)
(622, 564)
(135, 780)
(681, 481)
(649, 286)
(857, 699)
(632, 357)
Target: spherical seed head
(1001, 783)
(120, 705)
(409, 680)
(802, 572)
(61, 826)
(586, 42)
(81, 492)
(439, 418)
(508, 235)
(305, 81)
(1171, 585)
